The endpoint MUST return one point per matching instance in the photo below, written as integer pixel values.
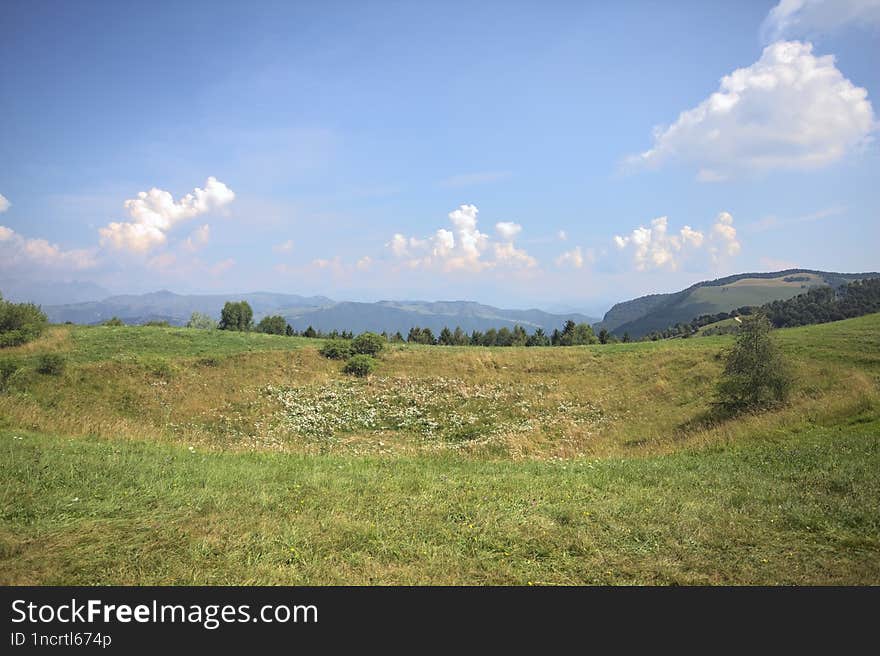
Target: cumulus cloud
(573, 258)
(508, 230)
(198, 238)
(654, 247)
(804, 18)
(723, 241)
(506, 254)
(17, 251)
(789, 110)
(463, 247)
(365, 263)
(153, 213)
(4, 203)
(283, 247)
(562, 235)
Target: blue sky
(515, 153)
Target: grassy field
(751, 291)
(176, 456)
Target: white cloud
(198, 238)
(365, 263)
(573, 258)
(506, 254)
(155, 212)
(562, 235)
(4, 203)
(17, 251)
(655, 248)
(789, 110)
(508, 230)
(804, 18)
(283, 247)
(463, 247)
(723, 240)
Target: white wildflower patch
(440, 410)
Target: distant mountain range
(657, 312)
(319, 312)
(638, 317)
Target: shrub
(359, 365)
(114, 321)
(51, 364)
(755, 373)
(201, 321)
(20, 323)
(368, 344)
(158, 324)
(7, 371)
(336, 349)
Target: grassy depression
(177, 456)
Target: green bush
(114, 321)
(157, 324)
(7, 371)
(273, 325)
(368, 344)
(359, 365)
(51, 364)
(201, 321)
(20, 323)
(755, 373)
(336, 349)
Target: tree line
(240, 316)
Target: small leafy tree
(755, 374)
(201, 321)
(114, 321)
(310, 332)
(273, 325)
(20, 323)
(289, 330)
(236, 316)
(368, 344)
(360, 365)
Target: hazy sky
(516, 153)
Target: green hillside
(168, 456)
(644, 315)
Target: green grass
(748, 291)
(175, 456)
(798, 509)
(92, 344)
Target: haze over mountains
(637, 317)
(320, 312)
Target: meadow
(175, 456)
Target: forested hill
(657, 312)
